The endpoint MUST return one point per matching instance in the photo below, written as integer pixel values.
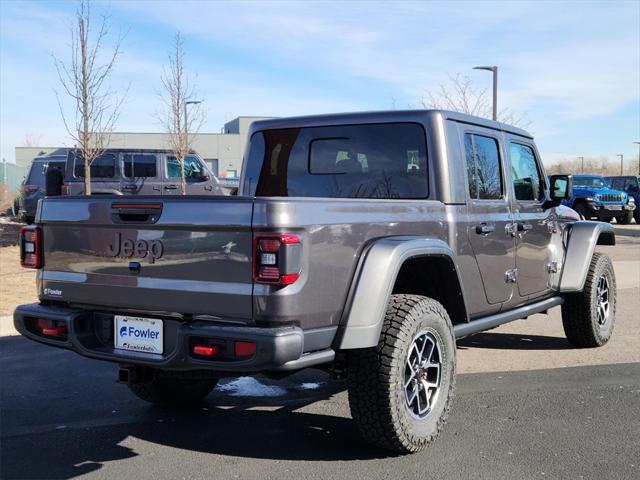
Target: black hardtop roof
(382, 117)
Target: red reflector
(289, 239)
(206, 351)
(64, 189)
(30, 188)
(269, 245)
(30, 236)
(55, 331)
(245, 349)
(289, 279)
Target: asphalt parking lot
(528, 405)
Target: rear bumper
(90, 334)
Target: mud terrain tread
(578, 309)
(371, 396)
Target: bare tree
(178, 92)
(83, 79)
(459, 94)
(31, 140)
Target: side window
(527, 182)
(139, 165)
(483, 167)
(192, 167)
(102, 167)
(631, 184)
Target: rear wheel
(625, 219)
(169, 389)
(400, 391)
(588, 316)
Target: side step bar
(465, 329)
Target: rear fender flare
(373, 284)
(582, 239)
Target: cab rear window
(356, 161)
(102, 167)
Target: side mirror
(561, 189)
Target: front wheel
(400, 391)
(170, 389)
(582, 210)
(588, 316)
(625, 219)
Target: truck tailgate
(188, 255)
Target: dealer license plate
(614, 207)
(138, 334)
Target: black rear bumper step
(279, 348)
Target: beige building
(223, 151)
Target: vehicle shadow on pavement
(513, 341)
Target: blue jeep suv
(593, 197)
(629, 184)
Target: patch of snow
(250, 387)
(310, 386)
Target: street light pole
(582, 168)
(186, 124)
(621, 161)
(494, 70)
(638, 143)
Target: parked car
(631, 185)
(360, 243)
(593, 197)
(34, 186)
(140, 172)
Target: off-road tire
(582, 210)
(625, 219)
(580, 310)
(168, 389)
(376, 377)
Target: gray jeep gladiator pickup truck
(365, 243)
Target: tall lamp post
(621, 161)
(582, 163)
(493, 69)
(638, 143)
(186, 124)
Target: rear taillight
(31, 247)
(277, 258)
(29, 188)
(64, 189)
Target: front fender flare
(372, 286)
(582, 240)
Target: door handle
(170, 187)
(156, 188)
(129, 187)
(208, 187)
(524, 227)
(485, 229)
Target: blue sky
(573, 68)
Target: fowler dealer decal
(126, 248)
(53, 292)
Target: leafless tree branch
(180, 124)
(83, 77)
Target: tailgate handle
(135, 212)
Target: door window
(139, 165)
(483, 167)
(527, 181)
(192, 167)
